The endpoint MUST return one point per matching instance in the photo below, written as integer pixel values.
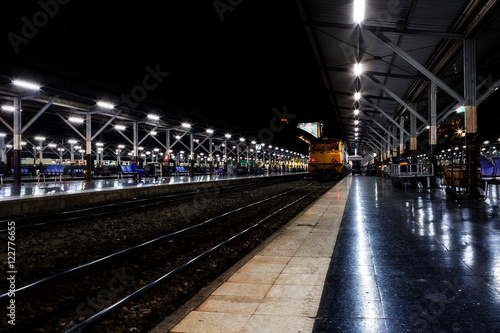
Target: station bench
(52, 170)
(127, 170)
(181, 171)
(490, 173)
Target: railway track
(33, 222)
(95, 291)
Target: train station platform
(33, 197)
(365, 257)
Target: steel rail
(154, 201)
(54, 278)
(88, 323)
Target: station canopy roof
(393, 39)
(240, 67)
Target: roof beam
(386, 29)
(398, 76)
(387, 116)
(39, 113)
(397, 98)
(419, 67)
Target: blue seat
(496, 162)
(487, 168)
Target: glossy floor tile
(30, 188)
(413, 261)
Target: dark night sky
(228, 73)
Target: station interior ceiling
(394, 38)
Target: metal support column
(433, 116)
(167, 153)
(472, 139)
(210, 156)
(135, 140)
(401, 135)
(395, 141)
(413, 132)
(191, 154)
(88, 147)
(17, 141)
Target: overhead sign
(258, 146)
(315, 129)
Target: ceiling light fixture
(359, 11)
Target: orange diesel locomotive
(328, 158)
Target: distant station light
(76, 120)
(227, 136)
(8, 108)
(359, 11)
(210, 131)
(153, 117)
(26, 84)
(39, 138)
(186, 125)
(120, 127)
(358, 69)
(105, 105)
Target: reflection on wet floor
(34, 189)
(413, 261)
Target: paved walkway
(413, 261)
(280, 289)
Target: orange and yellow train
(328, 158)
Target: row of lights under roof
(358, 17)
(101, 104)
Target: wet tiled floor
(413, 261)
(30, 187)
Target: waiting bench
(490, 173)
(52, 170)
(181, 171)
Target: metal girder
(374, 139)
(398, 76)
(397, 98)
(488, 92)
(148, 134)
(39, 113)
(105, 125)
(387, 116)
(6, 124)
(130, 141)
(419, 67)
(71, 126)
(380, 135)
(365, 27)
(383, 128)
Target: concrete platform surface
(279, 289)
